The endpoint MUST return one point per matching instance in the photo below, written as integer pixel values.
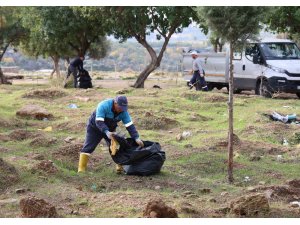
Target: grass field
(193, 165)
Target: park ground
(193, 179)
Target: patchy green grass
(192, 164)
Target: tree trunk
(56, 66)
(3, 80)
(51, 75)
(155, 60)
(220, 47)
(140, 82)
(230, 119)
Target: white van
(268, 67)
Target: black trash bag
(139, 161)
(84, 80)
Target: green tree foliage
(63, 32)
(40, 41)
(11, 32)
(285, 19)
(217, 42)
(234, 25)
(138, 22)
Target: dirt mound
(43, 141)
(250, 205)
(19, 135)
(34, 111)
(68, 153)
(288, 192)
(294, 183)
(251, 147)
(4, 123)
(198, 117)
(11, 123)
(158, 209)
(8, 175)
(224, 143)
(276, 130)
(2, 149)
(45, 93)
(4, 138)
(33, 207)
(216, 98)
(191, 95)
(124, 91)
(71, 126)
(152, 122)
(45, 166)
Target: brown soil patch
(45, 93)
(69, 153)
(45, 166)
(191, 95)
(289, 192)
(11, 123)
(33, 207)
(71, 126)
(34, 111)
(4, 123)
(19, 135)
(152, 122)
(42, 141)
(250, 205)
(4, 138)
(216, 98)
(8, 175)
(158, 209)
(198, 117)
(2, 149)
(249, 147)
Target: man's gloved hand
(110, 134)
(139, 142)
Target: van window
(278, 51)
(251, 49)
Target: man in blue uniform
(103, 123)
(198, 75)
(75, 66)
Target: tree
(235, 25)
(63, 32)
(139, 22)
(217, 42)
(11, 32)
(285, 19)
(39, 42)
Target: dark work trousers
(73, 70)
(199, 81)
(92, 139)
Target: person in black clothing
(75, 66)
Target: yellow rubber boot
(83, 160)
(119, 169)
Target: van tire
(263, 89)
(298, 95)
(237, 91)
(210, 86)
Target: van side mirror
(256, 59)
